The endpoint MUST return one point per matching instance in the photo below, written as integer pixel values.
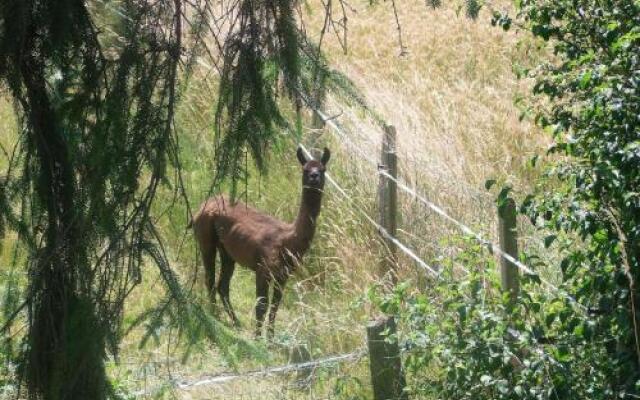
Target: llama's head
(313, 170)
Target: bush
(467, 342)
(592, 108)
(464, 340)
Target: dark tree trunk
(65, 357)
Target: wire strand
(281, 369)
(379, 227)
(438, 210)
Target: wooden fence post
(300, 354)
(507, 227)
(317, 122)
(387, 376)
(388, 199)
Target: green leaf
(488, 184)
(548, 320)
(486, 380)
(503, 195)
(585, 80)
(549, 240)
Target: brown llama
(270, 247)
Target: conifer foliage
(262, 48)
(96, 114)
(95, 84)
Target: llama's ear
(326, 155)
(301, 156)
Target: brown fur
(271, 248)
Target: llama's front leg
(278, 289)
(262, 291)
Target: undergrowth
(463, 338)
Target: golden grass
(451, 98)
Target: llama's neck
(305, 224)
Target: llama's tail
(194, 218)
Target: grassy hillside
(452, 100)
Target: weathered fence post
(388, 199)
(300, 354)
(507, 227)
(387, 376)
(317, 122)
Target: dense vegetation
(594, 104)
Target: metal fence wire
(334, 377)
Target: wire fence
(494, 248)
(286, 391)
(305, 373)
(282, 369)
(373, 222)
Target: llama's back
(244, 232)
(221, 207)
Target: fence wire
(304, 371)
(438, 210)
(379, 227)
(282, 369)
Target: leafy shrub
(592, 108)
(590, 102)
(464, 340)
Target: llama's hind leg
(278, 288)
(228, 266)
(209, 263)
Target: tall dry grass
(452, 98)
